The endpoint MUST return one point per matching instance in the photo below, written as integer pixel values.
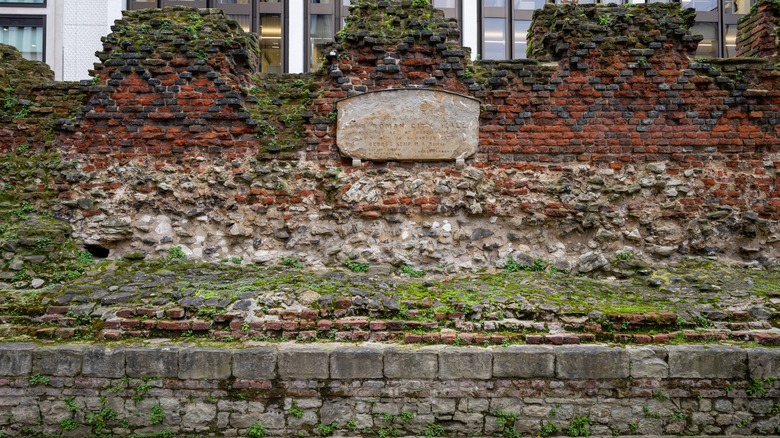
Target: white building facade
(66, 33)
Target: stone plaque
(408, 125)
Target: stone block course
(152, 362)
(411, 364)
(202, 363)
(255, 363)
(15, 359)
(591, 362)
(524, 362)
(58, 361)
(304, 363)
(465, 363)
(710, 362)
(357, 363)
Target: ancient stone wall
(610, 138)
(300, 390)
(758, 31)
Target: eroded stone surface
(408, 125)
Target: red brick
(175, 313)
(174, 325)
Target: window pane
(444, 3)
(27, 39)
(529, 5)
(708, 47)
(233, 2)
(495, 3)
(320, 33)
(39, 2)
(271, 43)
(245, 21)
(701, 5)
(521, 33)
(736, 7)
(321, 1)
(495, 38)
(731, 40)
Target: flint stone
(465, 363)
(356, 363)
(411, 364)
(16, 359)
(304, 363)
(591, 362)
(203, 363)
(764, 363)
(420, 125)
(713, 362)
(254, 364)
(58, 361)
(151, 362)
(524, 362)
(591, 261)
(103, 362)
(648, 362)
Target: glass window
(24, 33)
(324, 2)
(320, 33)
(529, 5)
(270, 43)
(12, 2)
(245, 21)
(736, 7)
(495, 3)
(701, 5)
(444, 3)
(495, 38)
(708, 47)
(731, 40)
(233, 2)
(520, 40)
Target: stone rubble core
(290, 389)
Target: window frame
(43, 21)
(24, 5)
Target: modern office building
(66, 33)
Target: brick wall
(288, 389)
(757, 33)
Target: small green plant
(468, 74)
(406, 416)
(700, 59)
(291, 262)
(142, 390)
(624, 256)
(729, 388)
(99, 420)
(37, 379)
(758, 387)
(85, 258)
(420, 3)
(42, 243)
(506, 421)
(408, 270)
(677, 415)
(356, 266)
(548, 428)
(156, 414)
(236, 260)
(512, 265)
(68, 424)
(579, 427)
(327, 429)
(351, 425)
(603, 19)
(743, 422)
(96, 79)
(176, 254)
(24, 147)
(295, 411)
(256, 430)
(71, 405)
(703, 322)
(641, 61)
(632, 427)
(433, 429)
(23, 210)
(775, 409)
(660, 395)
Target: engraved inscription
(411, 124)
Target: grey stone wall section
(524, 362)
(151, 362)
(304, 363)
(411, 364)
(648, 362)
(710, 362)
(58, 361)
(255, 364)
(16, 359)
(591, 362)
(465, 363)
(357, 363)
(103, 362)
(764, 363)
(204, 364)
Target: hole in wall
(97, 251)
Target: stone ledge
(374, 361)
